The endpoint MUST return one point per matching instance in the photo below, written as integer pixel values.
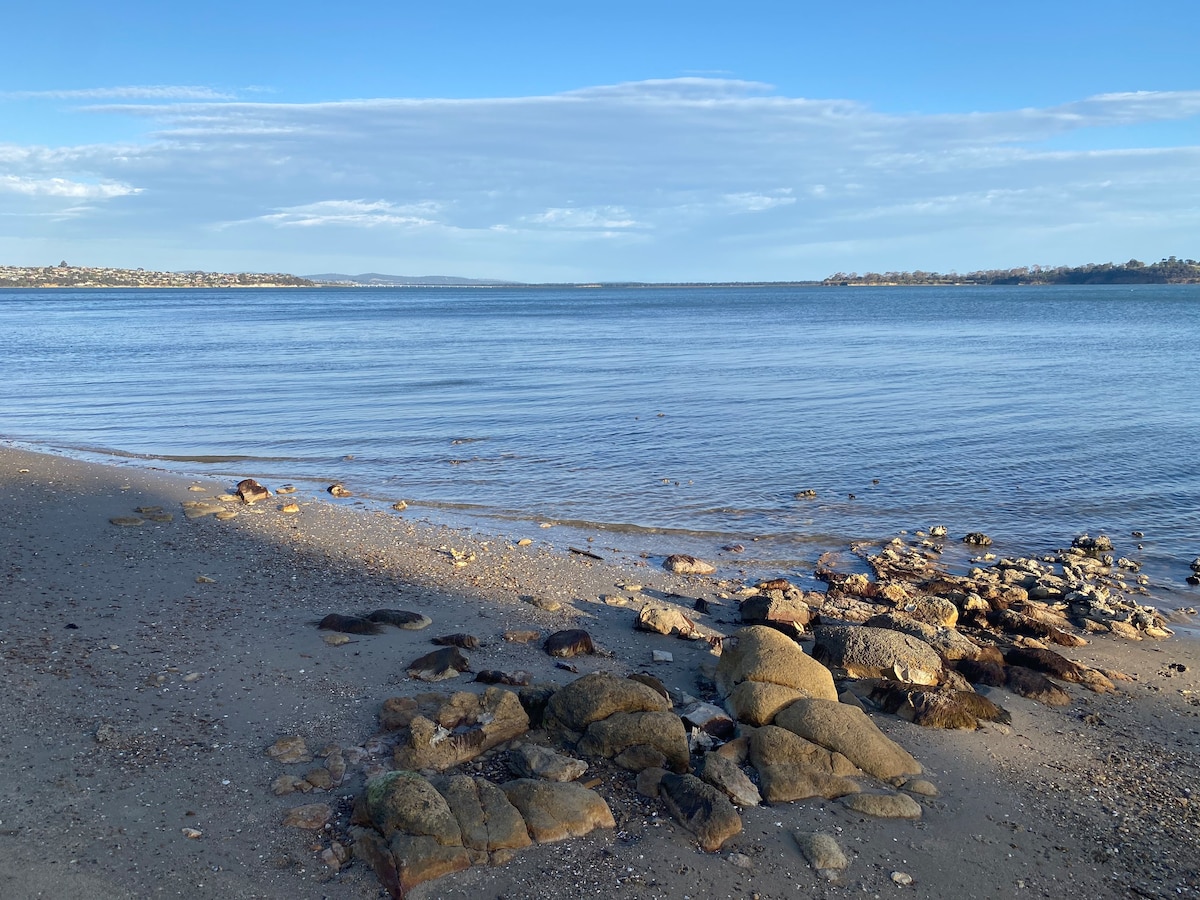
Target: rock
(555, 811)
(849, 731)
(1101, 543)
(349, 624)
(532, 761)
(877, 653)
(400, 618)
(653, 683)
(667, 620)
(521, 637)
(495, 676)
(1060, 667)
(648, 781)
(785, 610)
(311, 817)
(937, 707)
(439, 665)
(884, 806)
(661, 656)
(290, 749)
(338, 490)
(764, 654)
(594, 697)
(420, 858)
(127, 521)
(702, 809)
(758, 702)
(708, 718)
(791, 768)
(1035, 686)
(320, 779)
(486, 819)
(465, 641)
(822, 852)
(290, 508)
(726, 776)
(640, 757)
(662, 731)
(977, 539)
(251, 491)
(406, 802)
(464, 726)
(682, 564)
(949, 643)
(573, 642)
(289, 784)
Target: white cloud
(157, 92)
(354, 213)
(62, 187)
(595, 218)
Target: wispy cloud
(157, 92)
(62, 187)
(353, 213)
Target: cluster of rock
(462, 779)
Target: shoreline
(105, 626)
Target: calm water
(654, 419)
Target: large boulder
(557, 810)
(849, 731)
(486, 819)
(948, 642)
(660, 731)
(758, 702)
(764, 654)
(727, 776)
(594, 697)
(407, 802)
(791, 768)
(877, 653)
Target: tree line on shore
(1169, 270)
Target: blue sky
(616, 141)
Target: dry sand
(139, 701)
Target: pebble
(902, 878)
(204, 579)
(311, 816)
(225, 514)
(192, 833)
(335, 640)
(290, 508)
(661, 656)
(126, 521)
(524, 542)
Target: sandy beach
(147, 667)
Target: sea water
(653, 420)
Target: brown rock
(663, 731)
(701, 809)
(885, 806)
(486, 819)
(573, 642)
(289, 749)
(462, 728)
(758, 702)
(764, 654)
(850, 732)
(439, 665)
(877, 653)
(726, 776)
(251, 491)
(349, 624)
(311, 817)
(532, 761)
(400, 618)
(593, 697)
(667, 620)
(682, 564)
(465, 641)
(555, 811)
(405, 802)
(521, 637)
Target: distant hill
(375, 279)
(1169, 270)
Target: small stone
(191, 677)
(682, 564)
(127, 521)
(524, 542)
(192, 833)
(572, 642)
(902, 878)
(335, 640)
(661, 656)
(521, 637)
(204, 579)
(195, 488)
(399, 506)
(822, 851)
(289, 749)
(290, 508)
(337, 490)
(225, 514)
(884, 806)
(289, 784)
(311, 817)
(286, 489)
(741, 860)
(250, 491)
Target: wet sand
(146, 668)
